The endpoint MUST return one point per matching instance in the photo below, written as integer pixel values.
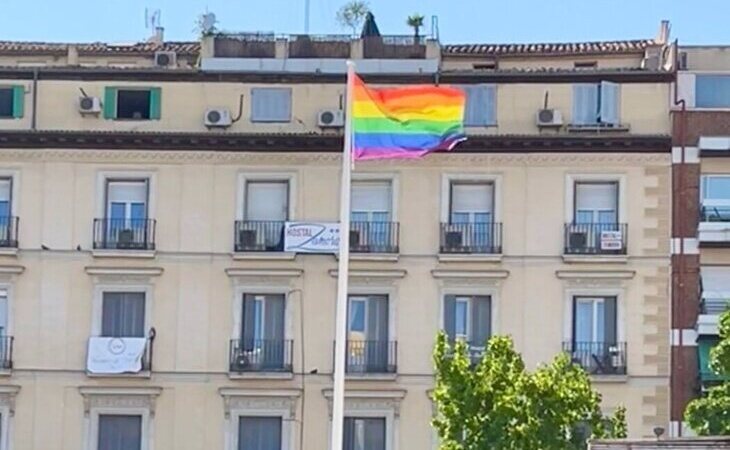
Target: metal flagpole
(338, 395)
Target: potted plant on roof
(416, 22)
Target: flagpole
(338, 395)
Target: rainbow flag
(405, 122)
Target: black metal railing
(259, 235)
(6, 352)
(8, 232)
(124, 234)
(595, 238)
(374, 237)
(371, 356)
(715, 214)
(484, 238)
(260, 355)
(598, 358)
(715, 306)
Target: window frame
(146, 433)
(122, 175)
(286, 414)
(249, 180)
(17, 101)
(593, 183)
(570, 197)
(694, 76)
(712, 202)
(495, 111)
(471, 291)
(110, 110)
(568, 311)
(599, 122)
(290, 90)
(109, 181)
(465, 300)
(255, 289)
(98, 304)
(265, 176)
(453, 182)
(392, 178)
(477, 178)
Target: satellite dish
(209, 22)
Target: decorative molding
(264, 256)
(124, 271)
(260, 274)
(595, 274)
(259, 399)
(7, 397)
(109, 253)
(217, 142)
(368, 274)
(470, 258)
(469, 274)
(11, 270)
(368, 400)
(595, 259)
(120, 397)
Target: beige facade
(194, 282)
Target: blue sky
(693, 21)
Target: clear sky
(693, 21)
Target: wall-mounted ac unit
(578, 239)
(165, 59)
(331, 118)
(89, 105)
(453, 239)
(549, 118)
(218, 118)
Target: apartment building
(148, 300)
(701, 172)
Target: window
(371, 201)
(367, 333)
(12, 102)
(468, 317)
(126, 201)
(712, 91)
(123, 314)
(715, 195)
(715, 289)
(8, 228)
(471, 202)
(267, 200)
(271, 105)
(5, 338)
(262, 345)
(594, 343)
(132, 103)
(596, 202)
(119, 432)
(259, 433)
(596, 104)
(481, 105)
(360, 433)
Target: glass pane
(117, 210)
(357, 316)
(716, 188)
(4, 212)
(482, 217)
(712, 91)
(359, 216)
(584, 321)
(462, 318)
(380, 216)
(137, 211)
(600, 322)
(258, 323)
(583, 216)
(608, 217)
(267, 200)
(459, 217)
(259, 433)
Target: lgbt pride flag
(405, 122)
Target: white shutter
(271, 104)
(609, 103)
(127, 192)
(5, 190)
(267, 200)
(596, 196)
(371, 196)
(471, 197)
(715, 282)
(480, 108)
(585, 104)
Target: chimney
(159, 36)
(663, 35)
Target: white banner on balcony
(611, 240)
(312, 237)
(109, 355)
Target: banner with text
(312, 237)
(115, 354)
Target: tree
(497, 404)
(416, 22)
(710, 415)
(352, 14)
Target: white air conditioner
(218, 118)
(331, 118)
(165, 59)
(89, 105)
(549, 118)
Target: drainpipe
(33, 119)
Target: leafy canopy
(352, 14)
(498, 405)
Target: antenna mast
(306, 16)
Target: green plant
(416, 22)
(352, 14)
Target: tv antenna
(208, 22)
(152, 19)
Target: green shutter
(18, 101)
(110, 103)
(155, 103)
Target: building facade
(701, 121)
(142, 234)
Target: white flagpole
(338, 395)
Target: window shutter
(609, 103)
(18, 101)
(271, 105)
(480, 108)
(155, 103)
(450, 316)
(609, 314)
(123, 314)
(274, 318)
(371, 196)
(490, 105)
(471, 197)
(110, 103)
(585, 104)
(259, 433)
(481, 317)
(596, 196)
(267, 200)
(248, 327)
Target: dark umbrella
(370, 28)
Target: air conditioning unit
(549, 118)
(125, 239)
(89, 105)
(218, 118)
(248, 240)
(331, 118)
(453, 239)
(577, 239)
(165, 59)
(354, 238)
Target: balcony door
(4, 335)
(364, 433)
(469, 318)
(119, 432)
(367, 333)
(371, 215)
(471, 214)
(259, 433)
(266, 210)
(123, 314)
(594, 331)
(6, 222)
(262, 334)
(595, 212)
(126, 212)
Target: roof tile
(567, 48)
(98, 48)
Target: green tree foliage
(416, 22)
(497, 405)
(352, 14)
(710, 415)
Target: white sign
(611, 240)
(311, 237)
(115, 355)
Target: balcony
(259, 236)
(124, 234)
(260, 355)
(714, 226)
(6, 352)
(8, 232)
(595, 239)
(471, 238)
(374, 237)
(598, 358)
(709, 317)
(394, 47)
(371, 357)
(319, 46)
(245, 45)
